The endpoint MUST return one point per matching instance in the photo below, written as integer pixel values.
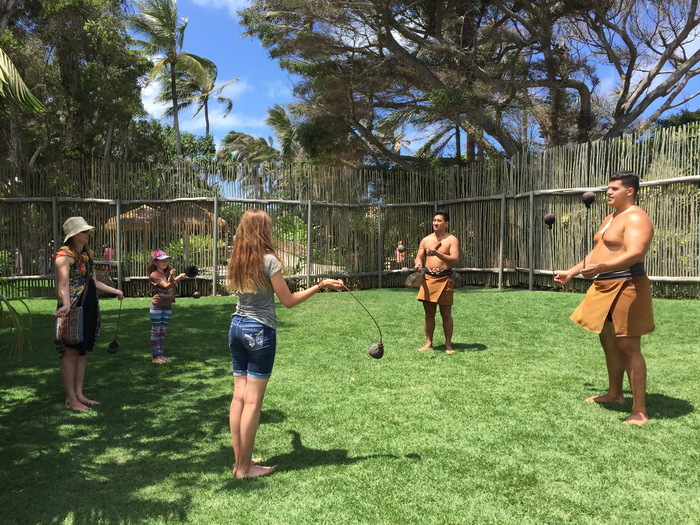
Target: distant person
(108, 257)
(17, 261)
(74, 275)
(618, 305)
(164, 279)
(41, 259)
(437, 254)
(400, 254)
(255, 274)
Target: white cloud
(148, 98)
(232, 6)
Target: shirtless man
(618, 306)
(437, 253)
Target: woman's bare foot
(87, 401)
(607, 398)
(254, 461)
(255, 471)
(160, 360)
(449, 350)
(427, 346)
(636, 418)
(77, 406)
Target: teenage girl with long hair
(255, 274)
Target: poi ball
(400, 248)
(549, 219)
(588, 198)
(113, 347)
(196, 294)
(191, 271)
(376, 350)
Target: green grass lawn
(497, 433)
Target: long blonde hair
(244, 273)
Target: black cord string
(368, 313)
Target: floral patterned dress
(81, 270)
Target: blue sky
(213, 32)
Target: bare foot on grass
(254, 461)
(427, 346)
(607, 398)
(77, 406)
(449, 350)
(636, 418)
(160, 360)
(87, 401)
(255, 471)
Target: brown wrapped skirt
(436, 289)
(627, 302)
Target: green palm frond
(13, 87)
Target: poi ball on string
(191, 271)
(588, 198)
(400, 248)
(376, 350)
(549, 219)
(113, 347)
(196, 294)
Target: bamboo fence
(348, 222)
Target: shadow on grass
(135, 457)
(659, 406)
(468, 347)
(302, 457)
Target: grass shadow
(468, 347)
(302, 457)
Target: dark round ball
(196, 294)
(191, 271)
(400, 248)
(588, 198)
(549, 219)
(376, 350)
(113, 347)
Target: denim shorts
(252, 346)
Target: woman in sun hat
(74, 273)
(164, 280)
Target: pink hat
(159, 255)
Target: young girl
(74, 273)
(255, 273)
(164, 280)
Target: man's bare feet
(427, 346)
(607, 398)
(449, 350)
(87, 401)
(636, 418)
(160, 360)
(77, 406)
(255, 471)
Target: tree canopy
(496, 69)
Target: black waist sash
(441, 273)
(636, 270)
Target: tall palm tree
(163, 33)
(13, 88)
(194, 90)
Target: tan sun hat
(75, 225)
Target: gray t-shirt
(261, 306)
